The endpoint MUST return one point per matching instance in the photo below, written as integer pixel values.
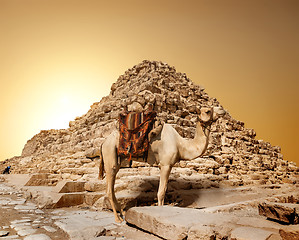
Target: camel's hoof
(119, 219)
(122, 213)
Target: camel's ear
(218, 112)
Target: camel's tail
(101, 167)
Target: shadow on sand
(180, 192)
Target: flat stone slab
(81, 225)
(284, 212)
(25, 232)
(37, 237)
(177, 223)
(249, 233)
(21, 221)
(49, 229)
(25, 207)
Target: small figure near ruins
(6, 170)
(165, 149)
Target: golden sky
(57, 57)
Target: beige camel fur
(166, 149)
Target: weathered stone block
(91, 198)
(289, 232)
(38, 179)
(249, 233)
(70, 199)
(284, 212)
(201, 233)
(69, 187)
(93, 152)
(176, 223)
(95, 186)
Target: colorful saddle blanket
(134, 128)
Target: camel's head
(210, 114)
(206, 114)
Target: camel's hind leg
(110, 178)
(164, 175)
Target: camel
(166, 149)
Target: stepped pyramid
(232, 148)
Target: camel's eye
(208, 111)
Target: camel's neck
(202, 132)
(194, 148)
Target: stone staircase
(48, 190)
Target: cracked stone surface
(21, 219)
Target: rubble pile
(233, 151)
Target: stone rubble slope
(232, 152)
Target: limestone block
(106, 108)
(223, 170)
(91, 198)
(140, 185)
(97, 186)
(284, 212)
(289, 232)
(201, 233)
(258, 222)
(70, 199)
(274, 236)
(69, 187)
(257, 176)
(38, 179)
(25, 160)
(182, 171)
(79, 171)
(135, 107)
(148, 221)
(65, 176)
(289, 180)
(176, 223)
(250, 233)
(93, 152)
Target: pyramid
(232, 148)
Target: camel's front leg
(110, 178)
(164, 175)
